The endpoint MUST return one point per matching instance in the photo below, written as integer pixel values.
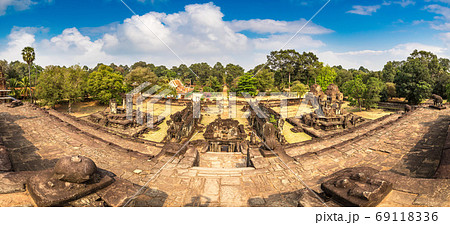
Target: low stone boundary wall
(392, 105)
(54, 115)
(346, 131)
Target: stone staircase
(220, 172)
(222, 160)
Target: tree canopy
(105, 84)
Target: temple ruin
(225, 135)
(4, 91)
(328, 113)
(182, 124)
(50, 158)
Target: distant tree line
(415, 78)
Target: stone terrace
(406, 150)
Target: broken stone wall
(269, 128)
(182, 124)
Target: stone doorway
(224, 148)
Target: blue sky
(349, 33)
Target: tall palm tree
(29, 56)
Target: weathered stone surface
(75, 169)
(15, 103)
(182, 124)
(5, 162)
(230, 194)
(49, 191)
(150, 198)
(289, 199)
(412, 144)
(357, 187)
(12, 182)
(118, 193)
(256, 202)
(21, 199)
(88, 201)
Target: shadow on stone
(21, 151)
(423, 159)
(299, 198)
(199, 201)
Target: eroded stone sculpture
(437, 102)
(357, 187)
(73, 177)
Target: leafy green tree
(218, 71)
(28, 56)
(74, 84)
(105, 84)
(212, 84)
(167, 90)
(448, 91)
(414, 80)
(232, 72)
(342, 75)
(26, 88)
(285, 62)
(390, 70)
(414, 90)
(202, 72)
(185, 74)
(372, 92)
(140, 75)
(15, 69)
(160, 71)
(163, 81)
(300, 88)
(13, 84)
(355, 89)
(142, 64)
(49, 88)
(247, 84)
(391, 90)
(308, 67)
(265, 80)
(326, 76)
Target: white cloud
(376, 59)
(441, 22)
(446, 38)
(441, 10)
(197, 34)
(440, 26)
(364, 10)
(443, 1)
(17, 40)
(405, 3)
(276, 26)
(18, 5)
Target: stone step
(205, 171)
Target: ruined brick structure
(269, 127)
(328, 115)
(182, 124)
(119, 119)
(225, 135)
